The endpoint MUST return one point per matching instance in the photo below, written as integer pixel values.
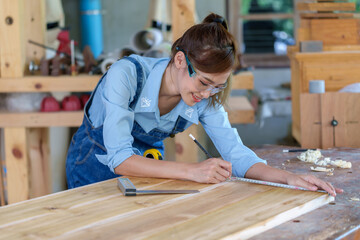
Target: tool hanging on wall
(153, 153)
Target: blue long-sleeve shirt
(110, 108)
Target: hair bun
(212, 17)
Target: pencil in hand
(201, 147)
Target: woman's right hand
(212, 170)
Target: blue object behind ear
(191, 69)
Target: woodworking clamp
(153, 153)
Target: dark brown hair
(211, 49)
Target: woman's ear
(179, 60)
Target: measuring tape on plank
(238, 179)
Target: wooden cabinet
(337, 68)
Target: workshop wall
(123, 18)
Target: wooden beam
(326, 15)
(35, 28)
(183, 16)
(267, 16)
(310, 120)
(39, 152)
(17, 165)
(43, 119)
(80, 83)
(326, 6)
(12, 58)
(233, 16)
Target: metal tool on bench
(128, 189)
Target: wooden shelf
(63, 83)
(267, 16)
(42, 119)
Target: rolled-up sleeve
(227, 141)
(118, 92)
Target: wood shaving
(341, 164)
(321, 169)
(329, 174)
(311, 156)
(314, 156)
(354, 199)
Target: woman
(141, 101)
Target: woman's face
(201, 85)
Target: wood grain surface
(99, 211)
(338, 220)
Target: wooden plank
(16, 164)
(326, 6)
(333, 221)
(327, 114)
(35, 27)
(296, 76)
(102, 212)
(240, 110)
(339, 106)
(183, 16)
(267, 16)
(247, 225)
(48, 119)
(348, 132)
(335, 31)
(39, 152)
(310, 120)
(12, 58)
(243, 80)
(80, 83)
(342, 48)
(232, 7)
(326, 15)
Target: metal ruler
(128, 189)
(237, 179)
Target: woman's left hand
(312, 183)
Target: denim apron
(82, 166)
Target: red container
(50, 104)
(84, 98)
(71, 103)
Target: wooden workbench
(330, 221)
(227, 210)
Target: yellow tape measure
(153, 153)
